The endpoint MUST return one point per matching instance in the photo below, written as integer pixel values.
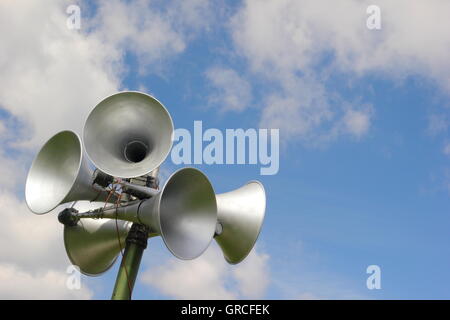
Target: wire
(106, 201)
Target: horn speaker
(93, 245)
(184, 213)
(240, 216)
(59, 174)
(128, 134)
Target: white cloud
(307, 296)
(2, 128)
(286, 41)
(252, 275)
(12, 171)
(152, 34)
(137, 27)
(446, 149)
(17, 284)
(298, 109)
(357, 122)
(33, 259)
(51, 76)
(437, 124)
(35, 238)
(230, 91)
(292, 34)
(210, 277)
(304, 111)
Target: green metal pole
(126, 277)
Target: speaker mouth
(128, 134)
(259, 218)
(53, 172)
(135, 151)
(187, 213)
(241, 213)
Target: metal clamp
(138, 235)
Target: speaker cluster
(126, 138)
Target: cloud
(52, 76)
(292, 34)
(446, 149)
(12, 171)
(297, 108)
(17, 284)
(152, 33)
(252, 275)
(36, 238)
(2, 128)
(307, 296)
(138, 28)
(304, 111)
(210, 277)
(298, 45)
(230, 91)
(437, 124)
(34, 262)
(357, 121)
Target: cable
(106, 201)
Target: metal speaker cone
(184, 213)
(59, 174)
(93, 245)
(128, 134)
(240, 215)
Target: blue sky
(363, 118)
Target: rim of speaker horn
(46, 187)
(93, 245)
(262, 216)
(128, 134)
(241, 233)
(188, 190)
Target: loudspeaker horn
(240, 216)
(59, 174)
(183, 213)
(93, 245)
(128, 134)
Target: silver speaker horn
(184, 213)
(128, 134)
(240, 215)
(60, 174)
(93, 245)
